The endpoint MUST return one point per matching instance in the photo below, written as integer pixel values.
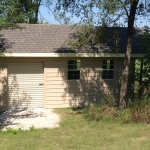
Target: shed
(38, 72)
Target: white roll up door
(26, 84)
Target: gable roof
(45, 38)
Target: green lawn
(76, 133)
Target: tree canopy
(99, 12)
(18, 11)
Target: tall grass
(104, 110)
(138, 111)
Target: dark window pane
(111, 71)
(70, 77)
(104, 66)
(76, 72)
(70, 66)
(111, 61)
(105, 71)
(107, 74)
(104, 76)
(70, 61)
(75, 61)
(110, 76)
(75, 66)
(70, 72)
(111, 66)
(77, 76)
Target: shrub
(140, 111)
(105, 109)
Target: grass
(76, 133)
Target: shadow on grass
(8, 117)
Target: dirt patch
(27, 118)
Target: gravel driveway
(27, 118)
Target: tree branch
(124, 8)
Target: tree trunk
(38, 2)
(125, 70)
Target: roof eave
(68, 55)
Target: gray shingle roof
(44, 38)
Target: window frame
(73, 69)
(108, 69)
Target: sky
(49, 18)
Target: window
(108, 69)
(73, 69)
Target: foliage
(140, 110)
(92, 39)
(102, 12)
(11, 14)
(99, 112)
(76, 133)
(105, 109)
(142, 73)
(146, 61)
(21, 11)
(10, 130)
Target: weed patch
(140, 111)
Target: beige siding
(61, 92)
(3, 85)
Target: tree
(28, 11)
(109, 13)
(32, 7)
(142, 74)
(22, 11)
(11, 13)
(125, 70)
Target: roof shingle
(45, 38)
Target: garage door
(25, 82)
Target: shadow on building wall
(13, 97)
(90, 89)
(18, 98)
(3, 94)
